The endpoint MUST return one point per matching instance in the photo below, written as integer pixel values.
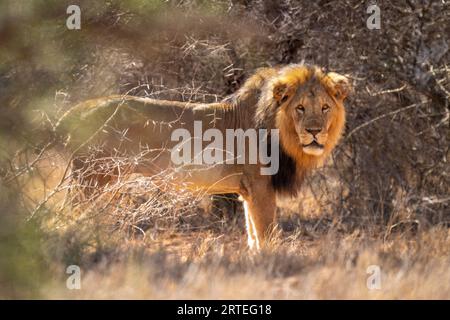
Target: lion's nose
(314, 131)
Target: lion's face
(312, 111)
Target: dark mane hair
(288, 179)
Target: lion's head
(306, 105)
(311, 114)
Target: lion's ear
(281, 92)
(340, 85)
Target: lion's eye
(300, 109)
(325, 108)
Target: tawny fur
(269, 99)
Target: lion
(301, 102)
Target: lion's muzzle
(314, 148)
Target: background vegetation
(383, 198)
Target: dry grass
(211, 265)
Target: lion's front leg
(251, 237)
(260, 207)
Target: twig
(365, 124)
(374, 94)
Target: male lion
(302, 102)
